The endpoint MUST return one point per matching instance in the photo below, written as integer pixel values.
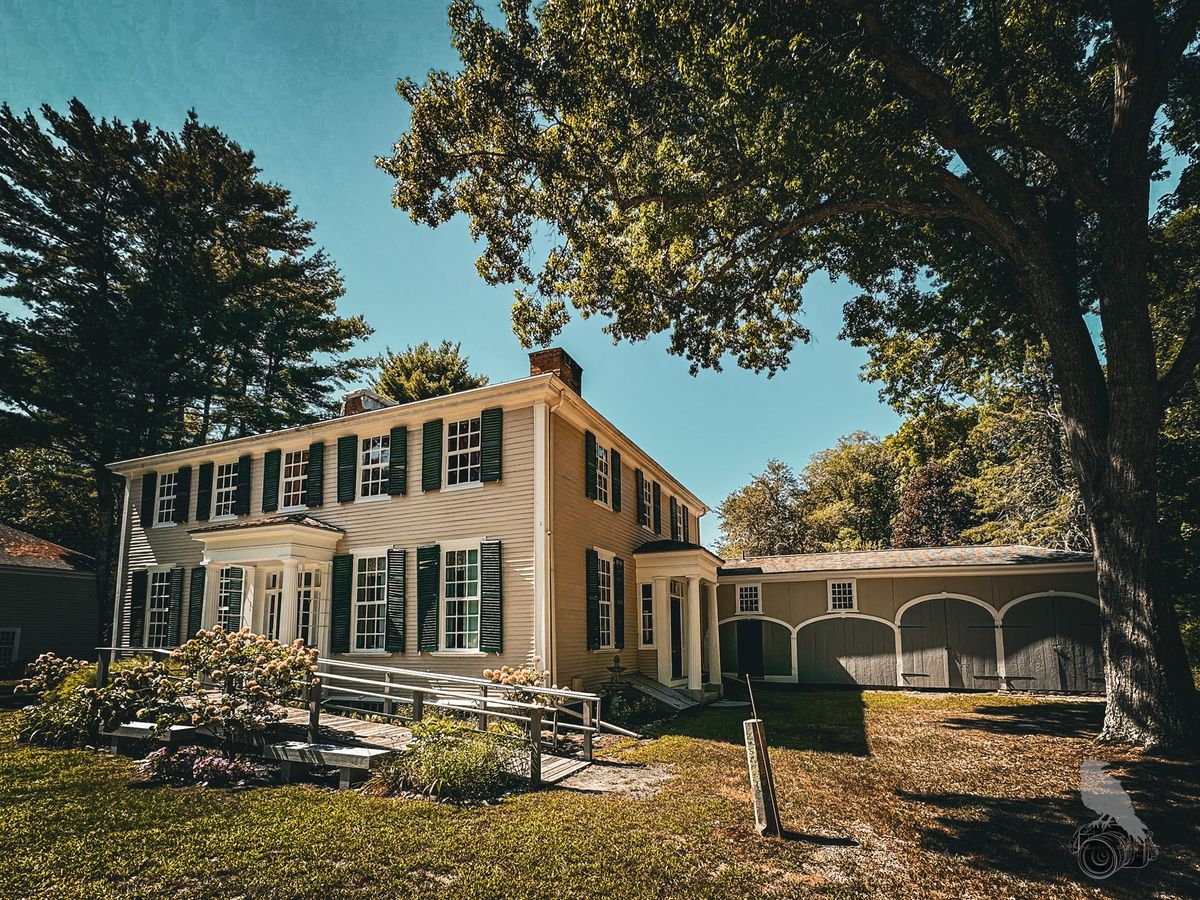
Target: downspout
(114, 639)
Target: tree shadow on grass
(826, 721)
(1081, 719)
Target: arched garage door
(948, 642)
(756, 647)
(846, 650)
(1053, 644)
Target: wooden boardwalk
(349, 732)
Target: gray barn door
(729, 654)
(846, 650)
(777, 649)
(1053, 644)
(948, 643)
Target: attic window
(749, 599)
(842, 596)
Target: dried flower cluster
(519, 678)
(202, 765)
(46, 673)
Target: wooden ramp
(668, 696)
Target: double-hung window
(646, 598)
(462, 451)
(605, 571)
(841, 596)
(749, 599)
(295, 479)
(647, 503)
(461, 627)
(308, 590)
(679, 517)
(374, 459)
(225, 490)
(8, 645)
(274, 604)
(602, 475)
(229, 597)
(158, 609)
(168, 484)
(370, 602)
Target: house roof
(666, 546)
(23, 550)
(302, 519)
(912, 558)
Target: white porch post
(662, 628)
(714, 638)
(212, 584)
(694, 675)
(289, 601)
(249, 595)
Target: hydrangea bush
(520, 679)
(47, 673)
(203, 765)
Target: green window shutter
(687, 525)
(639, 487)
(204, 488)
(339, 603)
(674, 524)
(314, 486)
(591, 581)
(237, 586)
(428, 590)
(149, 499)
(491, 598)
(614, 487)
(657, 492)
(347, 467)
(491, 439)
(618, 587)
(196, 603)
(270, 487)
(396, 580)
(175, 619)
(589, 465)
(183, 494)
(139, 594)
(398, 461)
(242, 501)
(431, 455)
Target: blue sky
(309, 87)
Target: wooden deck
(349, 732)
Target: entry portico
(684, 597)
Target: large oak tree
(981, 170)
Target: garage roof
(23, 550)
(913, 558)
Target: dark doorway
(676, 638)
(750, 648)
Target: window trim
(456, 419)
(609, 557)
(853, 582)
(158, 498)
(445, 547)
(680, 515)
(607, 451)
(212, 511)
(283, 479)
(641, 611)
(737, 598)
(356, 555)
(152, 573)
(359, 497)
(16, 650)
(648, 503)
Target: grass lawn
(887, 793)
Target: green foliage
(48, 494)
(932, 512)
(851, 494)
(203, 765)
(631, 710)
(423, 371)
(450, 759)
(48, 673)
(764, 518)
(63, 713)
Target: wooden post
(535, 747)
(587, 735)
(389, 706)
(101, 670)
(762, 779)
(418, 704)
(314, 709)
(483, 719)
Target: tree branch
(1180, 34)
(1183, 367)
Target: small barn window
(749, 599)
(842, 596)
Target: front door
(750, 647)
(676, 637)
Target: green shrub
(450, 759)
(204, 765)
(631, 710)
(62, 715)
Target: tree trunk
(108, 530)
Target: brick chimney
(556, 360)
(364, 400)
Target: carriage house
(514, 521)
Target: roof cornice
(914, 572)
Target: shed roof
(23, 550)
(910, 558)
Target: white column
(714, 637)
(212, 584)
(694, 675)
(288, 601)
(249, 596)
(662, 628)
